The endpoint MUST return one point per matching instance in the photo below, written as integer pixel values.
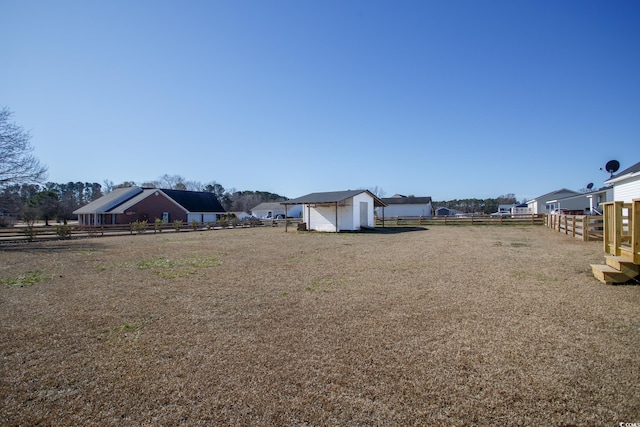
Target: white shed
(626, 184)
(338, 210)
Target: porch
(621, 238)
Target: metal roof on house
(404, 200)
(109, 201)
(332, 197)
(123, 207)
(121, 199)
(195, 201)
(562, 190)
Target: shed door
(364, 214)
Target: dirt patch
(457, 325)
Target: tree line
(56, 202)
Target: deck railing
(622, 229)
(583, 227)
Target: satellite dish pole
(612, 167)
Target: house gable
(148, 206)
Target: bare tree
(107, 186)
(172, 182)
(17, 164)
(377, 191)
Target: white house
(587, 203)
(400, 206)
(276, 210)
(626, 184)
(541, 205)
(505, 209)
(338, 210)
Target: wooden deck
(621, 241)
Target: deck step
(624, 265)
(609, 275)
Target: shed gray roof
(332, 197)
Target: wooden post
(286, 221)
(617, 235)
(634, 222)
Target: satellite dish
(590, 186)
(612, 166)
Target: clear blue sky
(449, 99)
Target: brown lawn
(480, 325)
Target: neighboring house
(130, 204)
(442, 211)
(338, 210)
(276, 210)
(505, 209)
(541, 205)
(626, 184)
(400, 206)
(521, 209)
(584, 203)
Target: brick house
(130, 204)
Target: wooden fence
(39, 232)
(622, 229)
(584, 227)
(528, 219)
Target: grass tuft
(25, 279)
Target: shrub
(177, 224)
(64, 231)
(138, 226)
(157, 225)
(6, 221)
(30, 231)
(195, 224)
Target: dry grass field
(483, 325)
